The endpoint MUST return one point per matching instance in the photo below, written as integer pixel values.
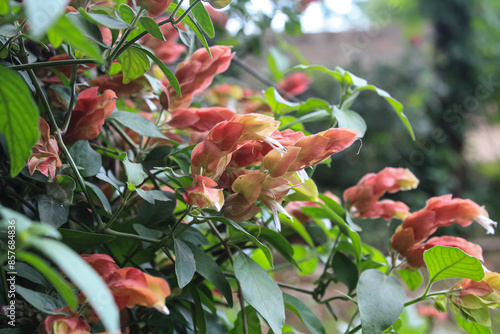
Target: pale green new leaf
(450, 262)
(203, 18)
(134, 64)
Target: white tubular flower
(275, 145)
(275, 208)
(487, 223)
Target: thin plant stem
(186, 12)
(240, 292)
(113, 219)
(427, 295)
(44, 64)
(354, 330)
(72, 100)
(57, 132)
(131, 236)
(128, 140)
(115, 52)
(260, 77)
(352, 320)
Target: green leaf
(336, 75)
(193, 26)
(381, 300)
(152, 27)
(158, 157)
(66, 30)
(104, 20)
(413, 279)
(275, 239)
(155, 214)
(134, 64)
(350, 119)
(345, 270)
(100, 195)
(51, 211)
(126, 13)
(344, 228)
(304, 313)
(185, 265)
(148, 233)
(395, 104)
(450, 262)
(135, 173)
(277, 103)
(62, 286)
(307, 191)
(20, 129)
(209, 269)
(260, 291)
(253, 322)
(28, 272)
(61, 189)
(81, 240)
(85, 278)
(306, 258)
(43, 14)
(138, 123)
(4, 7)
(470, 326)
(40, 301)
(152, 195)
(198, 314)
(219, 3)
(89, 162)
(203, 18)
(168, 73)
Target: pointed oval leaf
(45, 303)
(152, 27)
(100, 195)
(203, 18)
(135, 173)
(51, 211)
(304, 313)
(61, 189)
(260, 291)
(138, 123)
(20, 129)
(134, 64)
(451, 262)
(381, 301)
(89, 162)
(209, 269)
(185, 266)
(104, 20)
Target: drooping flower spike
(45, 156)
(363, 198)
